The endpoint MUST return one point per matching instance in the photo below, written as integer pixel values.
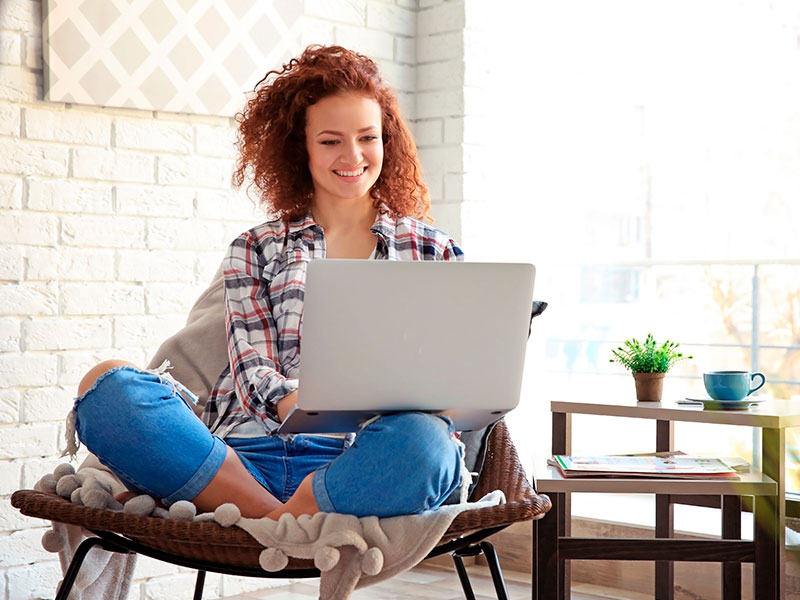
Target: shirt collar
(384, 225)
(302, 223)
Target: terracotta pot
(649, 386)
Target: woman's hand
(286, 404)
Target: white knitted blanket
(353, 552)
(349, 551)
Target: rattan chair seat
(209, 541)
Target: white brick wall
(439, 78)
(451, 113)
(66, 126)
(113, 220)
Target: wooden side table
(554, 546)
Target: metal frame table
(554, 547)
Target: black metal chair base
(65, 587)
(471, 545)
(494, 568)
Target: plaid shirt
(265, 273)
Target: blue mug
(731, 385)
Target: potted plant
(648, 362)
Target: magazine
(671, 465)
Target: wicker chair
(207, 546)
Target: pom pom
(85, 475)
(273, 559)
(75, 497)
(372, 561)
(66, 485)
(114, 504)
(182, 510)
(96, 498)
(227, 514)
(204, 517)
(326, 557)
(46, 484)
(53, 541)
(62, 470)
(161, 513)
(92, 483)
(139, 505)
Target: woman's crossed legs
(138, 426)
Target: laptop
(387, 336)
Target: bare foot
(123, 497)
(302, 501)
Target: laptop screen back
(401, 335)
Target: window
(651, 150)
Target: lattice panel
(194, 56)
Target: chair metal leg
(74, 566)
(495, 570)
(463, 577)
(199, 583)
(77, 561)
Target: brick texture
(158, 136)
(69, 196)
(29, 441)
(29, 299)
(38, 580)
(113, 220)
(102, 232)
(12, 264)
(66, 333)
(9, 120)
(68, 264)
(10, 476)
(9, 406)
(32, 157)
(10, 48)
(67, 126)
(112, 165)
(10, 518)
(18, 85)
(47, 404)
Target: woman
(330, 157)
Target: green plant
(647, 357)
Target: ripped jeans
(139, 426)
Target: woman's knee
(427, 437)
(103, 403)
(134, 421)
(95, 372)
(429, 457)
(399, 464)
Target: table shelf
(550, 480)
(771, 414)
(555, 547)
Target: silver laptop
(385, 336)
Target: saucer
(711, 404)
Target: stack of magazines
(654, 465)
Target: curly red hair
(272, 144)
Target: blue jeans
(142, 429)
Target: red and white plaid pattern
(265, 273)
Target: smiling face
(345, 148)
